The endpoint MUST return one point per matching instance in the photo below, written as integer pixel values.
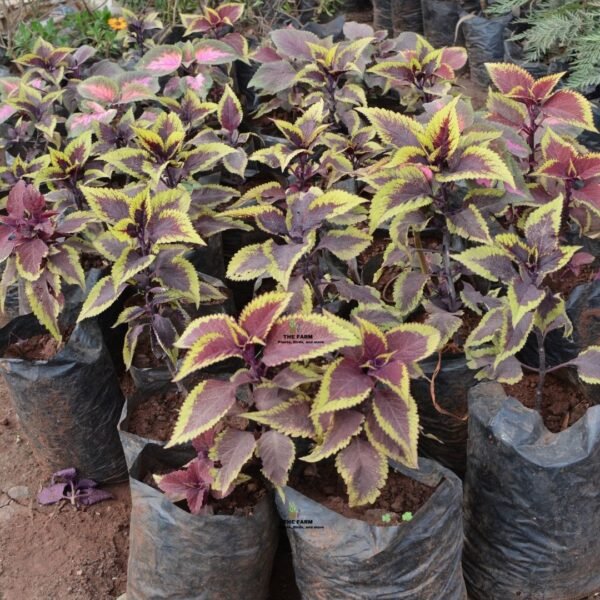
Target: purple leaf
(52, 494)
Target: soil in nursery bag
(155, 418)
(180, 556)
(67, 397)
(532, 502)
(338, 557)
(563, 403)
(401, 495)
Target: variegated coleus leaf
(276, 452)
(364, 470)
(232, 449)
(371, 379)
(436, 148)
(123, 89)
(562, 105)
(588, 365)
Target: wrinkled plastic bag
(68, 406)
(382, 15)
(484, 40)
(532, 502)
(440, 18)
(349, 559)
(407, 16)
(176, 555)
(444, 436)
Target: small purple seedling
(66, 485)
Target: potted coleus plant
(238, 426)
(147, 238)
(47, 362)
(537, 471)
(402, 524)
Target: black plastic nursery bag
(382, 14)
(440, 18)
(349, 559)
(444, 436)
(484, 40)
(532, 502)
(407, 16)
(68, 406)
(176, 555)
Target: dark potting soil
(38, 347)
(566, 280)
(562, 404)
(156, 417)
(400, 495)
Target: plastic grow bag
(448, 446)
(440, 18)
(407, 16)
(68, 406)
(532, 502)
(484, 40)
(174, 554)
(348, 559)
(382, 15)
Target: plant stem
(448, 270)
(420, 253)
(539, 392)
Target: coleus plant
(423, 182)
(68, 170)
(67, 485)
(303, 233)
(195, 65)
(522, 264)
(39, 247)
(146, 239)
(419, 67)
(303, 156)
(577, 174)
(300, 69)
(193, 482)
(272, 346)
(163, 155)
(364, 413)
(528, 107)
(213, 22)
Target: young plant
(39, 248)
(579, 174)
(213, 22)
(302, 234)
(147, 237)
(522, 265)
(423, 183)
(364, 413)
(302, 69)
(162, 153)
(528, 106)
(67, 485)
(193, 482)
(420, 67)
(271, 346)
